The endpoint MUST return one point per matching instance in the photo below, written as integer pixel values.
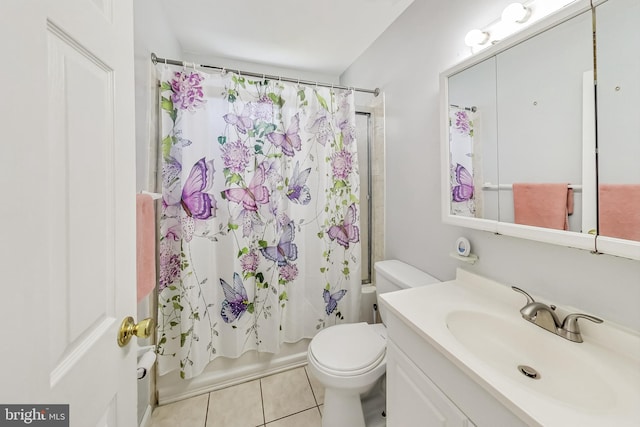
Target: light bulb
(476, 38)
(515, 13)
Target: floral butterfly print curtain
(259, 229)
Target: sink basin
(563, 370)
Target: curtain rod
(472, 109)
(155, 59)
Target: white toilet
(349, 359)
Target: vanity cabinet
(459, 353)
(413, 399)
(424, 388)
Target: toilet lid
(348, 348)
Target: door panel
(81, 168)
(68, 170)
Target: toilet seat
(349, 349)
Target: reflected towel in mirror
(619, 211)
(542, 205)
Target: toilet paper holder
(146, 361)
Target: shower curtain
(259, 228)
(463, 155)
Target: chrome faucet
(545, 316)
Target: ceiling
(324, 36)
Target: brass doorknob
(129, 328)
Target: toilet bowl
(350, 359)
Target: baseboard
(146, 419)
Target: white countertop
(608, 394)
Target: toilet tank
(394, 275)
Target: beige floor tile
(190, 412)
(237, 406)
(309, 418)
(318, 389)
(286, 393)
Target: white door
(67, 168)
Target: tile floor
(288, 399)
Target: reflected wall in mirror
(618, 95)
(540, 126)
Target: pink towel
(619, 211)
(146, 245)
(570, 201)
(542, 205)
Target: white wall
(405, 63)
(619, 157)
(254, 67)
(151, 34)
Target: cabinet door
(413, 399)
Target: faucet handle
(529, 297)
(570, 323)
(570, 328)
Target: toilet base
(374, 408)
(342, 409)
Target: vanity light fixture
(516, 13)
(476, 38)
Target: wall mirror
(618, 92)
(519, 136)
